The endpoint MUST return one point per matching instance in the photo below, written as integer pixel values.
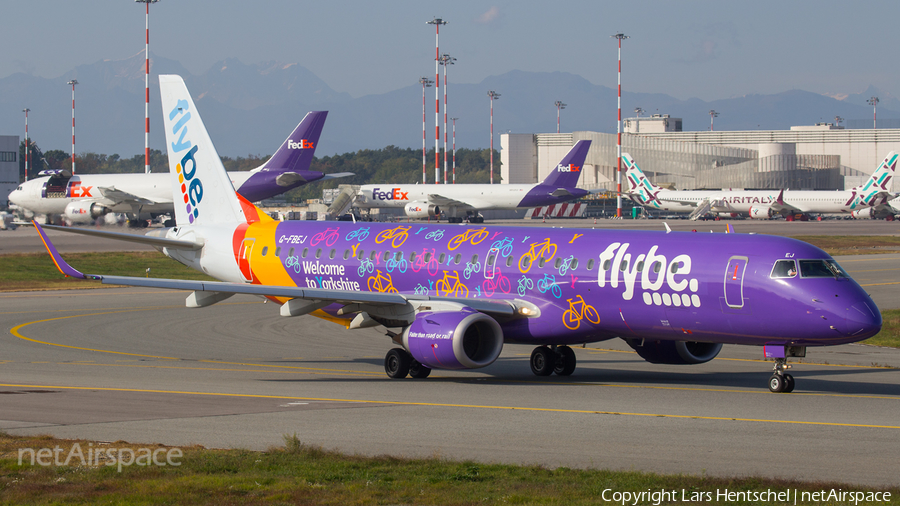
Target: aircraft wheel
(776, 383)
(788, 383)
(543, 361)
(396, 363)
(417, 370)
(565, 361)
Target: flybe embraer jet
(451, 296)
(868, 200)
(84, 198)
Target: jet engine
(761, 212)
(675, 352)
(83, 211)
(464, 339)
(874, 213)
(421, 210)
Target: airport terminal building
(820, 157)
(9, 167)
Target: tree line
(387, 165)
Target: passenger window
(442, 258)
(398, 256)
(427, 257)
(656, 267)
(278, 251)
(640, 266)
(490, 260)
(360, 253)
(386, 256)
(346, 254)
(606, 264)
(291, 252)
(331, 255)
(541, 262)
(305, 251)
(590, 264)
(372, 255)
(412, 256)
(674, 268)
(457, 259)
(265, 250)
(474, 259)
(319, 253)
(557, 263)
(623, 266)
(509, 261)
(784, 269)
(574, 263)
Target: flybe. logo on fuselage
(568, 168)
(303, 144)
(191, 186)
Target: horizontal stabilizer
(142, 239)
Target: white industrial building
(820, 157)
(9, 167)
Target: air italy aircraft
(865, 201)
(465, 200)
(83, 198)
(450, 296)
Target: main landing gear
(780, 380)
(553, 359)
(398, 363)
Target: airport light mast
(437, 22)
(559, 105)
(147, 87)
(446, 60)
(619, 37)
(838, 120)
(73, 82)
(426, 83)
(454, 149)
(874, 102)
(25, 110)
(638, 111)
(493, 96)
(712, 116)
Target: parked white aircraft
(465, 200)
(862, 201)
(84, 198)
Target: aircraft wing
(336, 175)
(440, 200)
(123, 197)
(314, 297)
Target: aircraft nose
(863, 320)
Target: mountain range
(250, 109)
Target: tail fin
(640, 189)
(201, 189)
(289, 166)
(882, 180)
(567, 172)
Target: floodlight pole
(712, 115)
(619, 37)
(73, 82)
(25, 110)
(147, 86)
(874, 102)
(454, 149)
(437, 22)
(425, 84)
(493, 96)
(559, 105)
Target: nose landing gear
(780, 380)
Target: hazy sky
(688, 48)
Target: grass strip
(299, 473)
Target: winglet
(61, 264)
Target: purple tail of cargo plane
(289, 166)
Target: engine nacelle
(675, 352)
(873, 213)
(82, 211)
(761, 212)
(421, 210)
(464, 339)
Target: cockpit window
(784, 269)
(19, 188)
(821, 269)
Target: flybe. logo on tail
(303, 144)
(568, 168)
(191, 187)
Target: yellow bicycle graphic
(579, 310)
(544, 249)
(471, 236)
(395, 234)
(381, 283)
(451, 286)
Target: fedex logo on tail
(568, 168)
(392, 194)
(191, 186)
(303, 144)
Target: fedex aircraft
(83, 198)
(865, 201)
(465, 200)
(451, 296)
